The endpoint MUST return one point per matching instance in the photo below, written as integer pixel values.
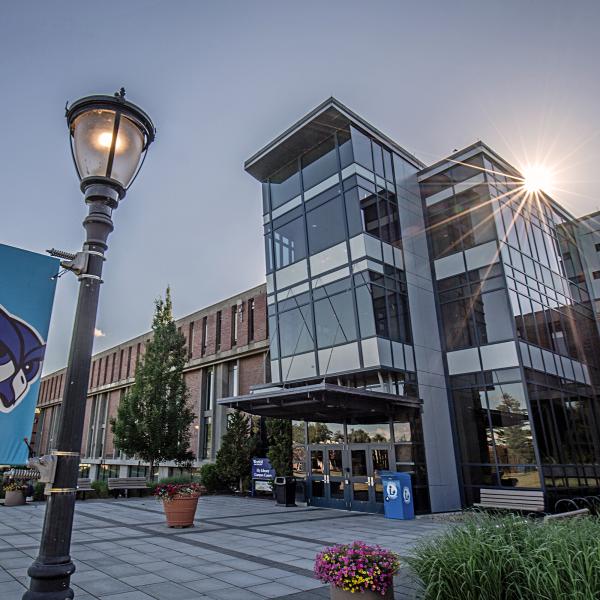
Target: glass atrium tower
(422, 319)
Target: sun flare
(537, 178)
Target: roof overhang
(325, 402)
(311, 130)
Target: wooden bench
(522, 500)
(581, 512)
(84, 484)
(127, 483)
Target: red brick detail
(260, 318)
(251, 372)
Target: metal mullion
(308, 270)
(349, 254)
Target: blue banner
(26, 297)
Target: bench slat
(120, 483)
(512, 499)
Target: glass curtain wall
(324, 206)
(537, 294)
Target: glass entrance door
(366, 463)
(348, 476)
(328, 483)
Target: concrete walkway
(240, 548)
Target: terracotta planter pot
(336, 593)
(180, 511)
(16, 498)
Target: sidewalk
(240, 549)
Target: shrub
(510, 558)
(357, 567)
(38, 491)
(210, 478)
(180, 479)
(101, 488)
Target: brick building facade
(227, 348)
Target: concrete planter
(16, 498)
(336, 593)
(180, 511)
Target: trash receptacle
(397, 495)
(285, 491)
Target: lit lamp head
(109, 138)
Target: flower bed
(168, 491)
(357, 567)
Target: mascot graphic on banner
(21, 354)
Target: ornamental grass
(357, 567)
(510, 558)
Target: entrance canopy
(325, 402)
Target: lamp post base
(50, 581)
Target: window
(98, 372)
(361, 146)
(597, 246)
(138, 354)
(106, 471)
(207, 437)
(596, 274)
(232, 379)
(295, 331)
(204, 335)
(234, 324)
(129, 361)
(208, 391)
(285, 184)
(389, 305)
(251, 320)
(461, 222)
(345, 147)
(138, 471)
(218, 330)
(121, 357)
(319, 163)
(112, 367)
(369, 433)
(289, 240)
(326, 225)
(335, 322)
(470, 317)
(190, 339)
(97, 426)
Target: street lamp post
(109, 140)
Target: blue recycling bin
(397, 495)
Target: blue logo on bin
(406, 495)
(391, 490)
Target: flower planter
(336, 593)
(14, 498)
(180, 510)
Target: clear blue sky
(221, 79)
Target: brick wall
(251, 372)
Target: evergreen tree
(154, 418)
(237, 449)
(279, 436)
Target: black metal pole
(51, 571)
